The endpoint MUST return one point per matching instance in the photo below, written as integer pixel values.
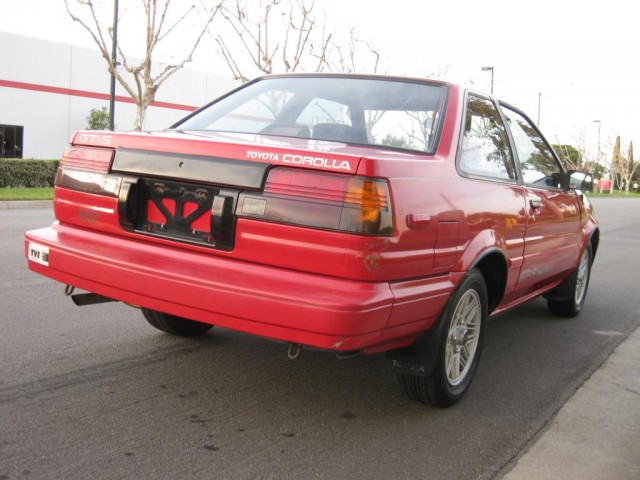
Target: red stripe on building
(83, 93)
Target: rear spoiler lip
(200, 168)
(263, 150)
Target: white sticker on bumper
(39, 254)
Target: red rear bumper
(292, 306)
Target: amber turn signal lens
(369, 196)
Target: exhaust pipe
(82, 299)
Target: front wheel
(567, 299)
(174, 325)
(460, 348)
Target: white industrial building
(48, 89)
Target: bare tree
(280, 36)
(159, 24)
(570, 156)
(590, 162)
(580, 142)
(339, 56)
(617, 159)
(625, 167)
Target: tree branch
(145, 84)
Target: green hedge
(15, 173)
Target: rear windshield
(394, 113)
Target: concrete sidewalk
(596, 434)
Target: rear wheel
(460, 347)
(174, 325)
(567, 299)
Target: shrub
(98, 119)
(15, 173)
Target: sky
(566, 62)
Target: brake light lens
(86, 169)
(322, 200)
(87, 158)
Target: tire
(460, 347)
(175, 325)
(568, 298)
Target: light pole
(114, 60)
(486, 69)
(539, 100)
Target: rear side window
(485, 148)
(538, 165)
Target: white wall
(49, 119)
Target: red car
(356, 214)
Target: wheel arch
(492, 264)
(420, 357)
(594, 240)
(487, 252)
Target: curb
(24, 204)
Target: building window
(11, 141)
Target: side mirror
(580, 180)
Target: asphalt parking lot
(95, 392)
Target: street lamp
(599, 125)
(539, 100)
(486, 69)
(114, 53)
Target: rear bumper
(315, 310)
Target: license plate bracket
(177, 210)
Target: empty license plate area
(177, 210)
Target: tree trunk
(140, 114)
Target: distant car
(350, 213)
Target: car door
(492, 200)
(553, 231)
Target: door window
(485, 148)
(537, 163)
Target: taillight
(86, 169)
(321, 200)
(87, 158)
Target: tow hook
(294, 350)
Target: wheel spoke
(456, 366)
(470, 310)
(464, 358)
(449, 361)
(471, 313)
(449, 367)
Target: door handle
(535, 203)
